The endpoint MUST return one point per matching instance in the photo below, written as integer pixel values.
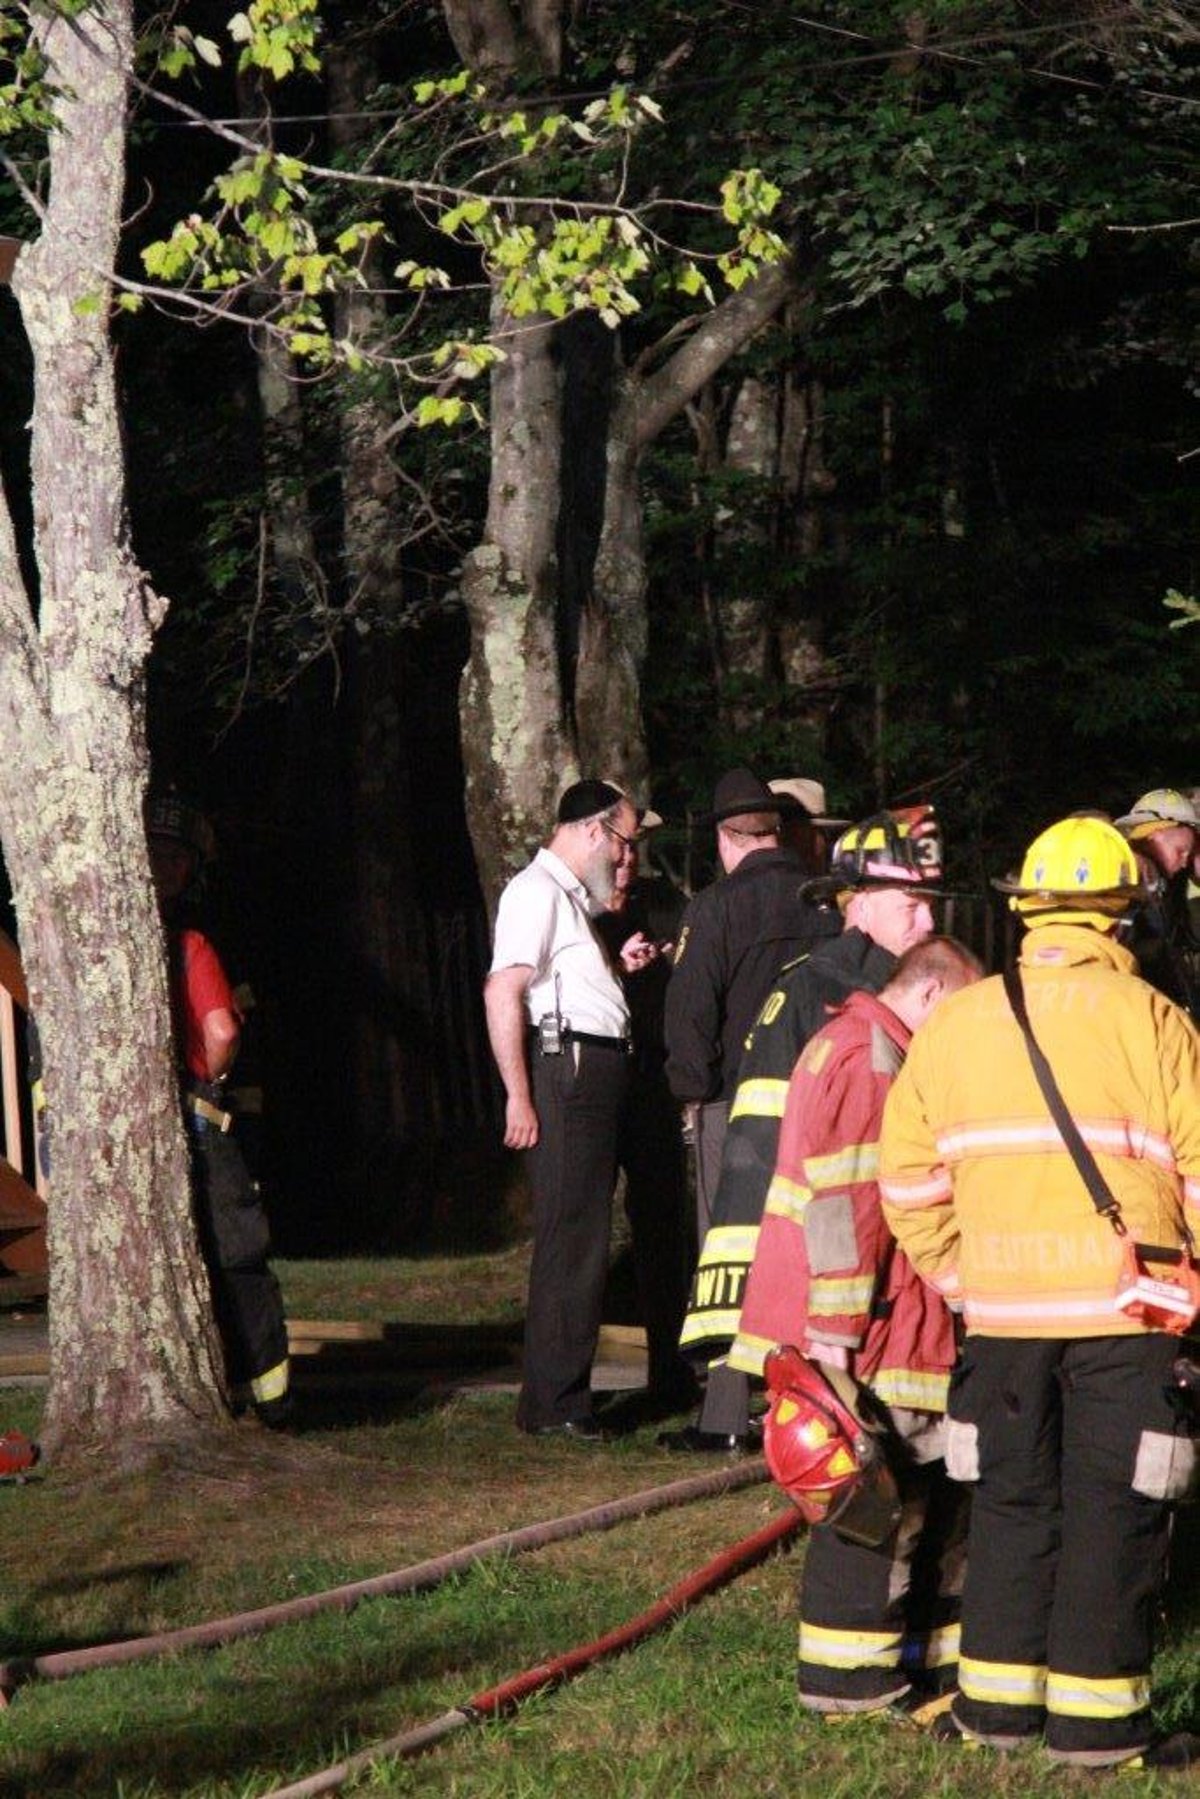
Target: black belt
(622, 1045)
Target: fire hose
(510, 1693)
(419, 1577)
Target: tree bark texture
(612, 643)
(751, 449)
(134, 1354)
(517, 750)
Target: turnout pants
(1075, 1448)
(578, 1097)
(652, 1155)
(235, 1238)
(876, 1623)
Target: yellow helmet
(1078, 871)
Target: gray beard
(598, 876)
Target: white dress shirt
(544, 923)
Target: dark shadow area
(1183, 1588)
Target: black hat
(741, 792)
(586, 799)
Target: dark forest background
(913, 538)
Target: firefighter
(882, 877)
(1163, 829)
(827, 1278)
(1040, 1166)
(231, 1221)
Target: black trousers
(650, 1151)
(578, 1097)
(1076, 1450)
(876, 1622)
(235, 1239)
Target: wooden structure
(23, 1266)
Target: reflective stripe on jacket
(827, 1270)
(798, 1005)
(979, 1187)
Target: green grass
(484, 1289)
(373, 1484)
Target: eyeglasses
(630, 843)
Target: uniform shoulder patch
(816, 1053)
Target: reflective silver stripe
(1077, 1696)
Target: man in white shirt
(559, 1030)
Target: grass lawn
(374, 1482)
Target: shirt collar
(558, 871)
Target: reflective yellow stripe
(941, 1646)
(1002, 1683)
(729, 1243)
(856, 1162)
(271, 1385)
(933, 1649)
(849, 1648)
(699, 1327)
(832, 1298)
(787, 1199)
(760, 1098)
(907, 1387)
(1079, 1696)
(748, 1353)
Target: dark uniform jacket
(796, 1008)
(735, 937)
(1167, 951)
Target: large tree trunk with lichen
(517, 750)
(134, 1355)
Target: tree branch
(717, 337)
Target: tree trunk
(612, 643)
(746, 615)
(517, 750)
(134, 1354)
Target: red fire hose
(420, 1577)
(510, 1693)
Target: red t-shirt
(204, 988)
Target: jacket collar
(1070, 945)
(870, 1007)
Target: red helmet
(17, 1455)
(829, 1463)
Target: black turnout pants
(876, 1622)
(578, 1097)
(1076, 1449)
(650, 1150)
(235, 1238)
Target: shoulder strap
(1101, 1194)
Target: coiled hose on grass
(419, 1577)
(509, 1694)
